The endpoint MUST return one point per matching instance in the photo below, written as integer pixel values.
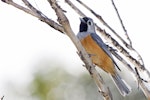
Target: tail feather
(122, 86)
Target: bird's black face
(83, 27)
(83, 24)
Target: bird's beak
(82, 20)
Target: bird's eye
(89, 23)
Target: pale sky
(25, 40)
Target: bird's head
(87, 25)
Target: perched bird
(99, 53)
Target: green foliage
(46, 83)
(58, 84)
(55, 83)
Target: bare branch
(44, 18)
(36, 13)
(145, 89)
(121, 22)
(20, 7)
(125, 31)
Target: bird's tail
(122, 86)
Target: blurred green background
(50, 81)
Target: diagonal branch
(36, 13)
(125, 31)
(121, 22)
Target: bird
(99, 53)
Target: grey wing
(100, 42)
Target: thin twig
(43, 17)
(121, 22)
(20, 7)
(125, 31)
(36, 13)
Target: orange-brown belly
(98, 56)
